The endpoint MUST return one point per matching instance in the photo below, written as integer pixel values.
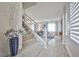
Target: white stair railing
(28, 20)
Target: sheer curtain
(51, 27)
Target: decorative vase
(13, 42)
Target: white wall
(59, 26)
(4, 25)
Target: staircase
(31, 34)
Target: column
(16, 18)
(45, 33)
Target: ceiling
(28, 4)
(45, 11)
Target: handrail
(31, 19)
(38, 37)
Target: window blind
(74, 21)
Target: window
(74, 21)
(51, 27)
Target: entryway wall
(4, 26)
(10, 17)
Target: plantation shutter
(74, 21)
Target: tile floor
(54, 49)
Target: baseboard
(67, 48)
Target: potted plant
(12, 35)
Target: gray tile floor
(54, 49)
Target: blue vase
(13, 42)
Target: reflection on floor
(55, 49)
